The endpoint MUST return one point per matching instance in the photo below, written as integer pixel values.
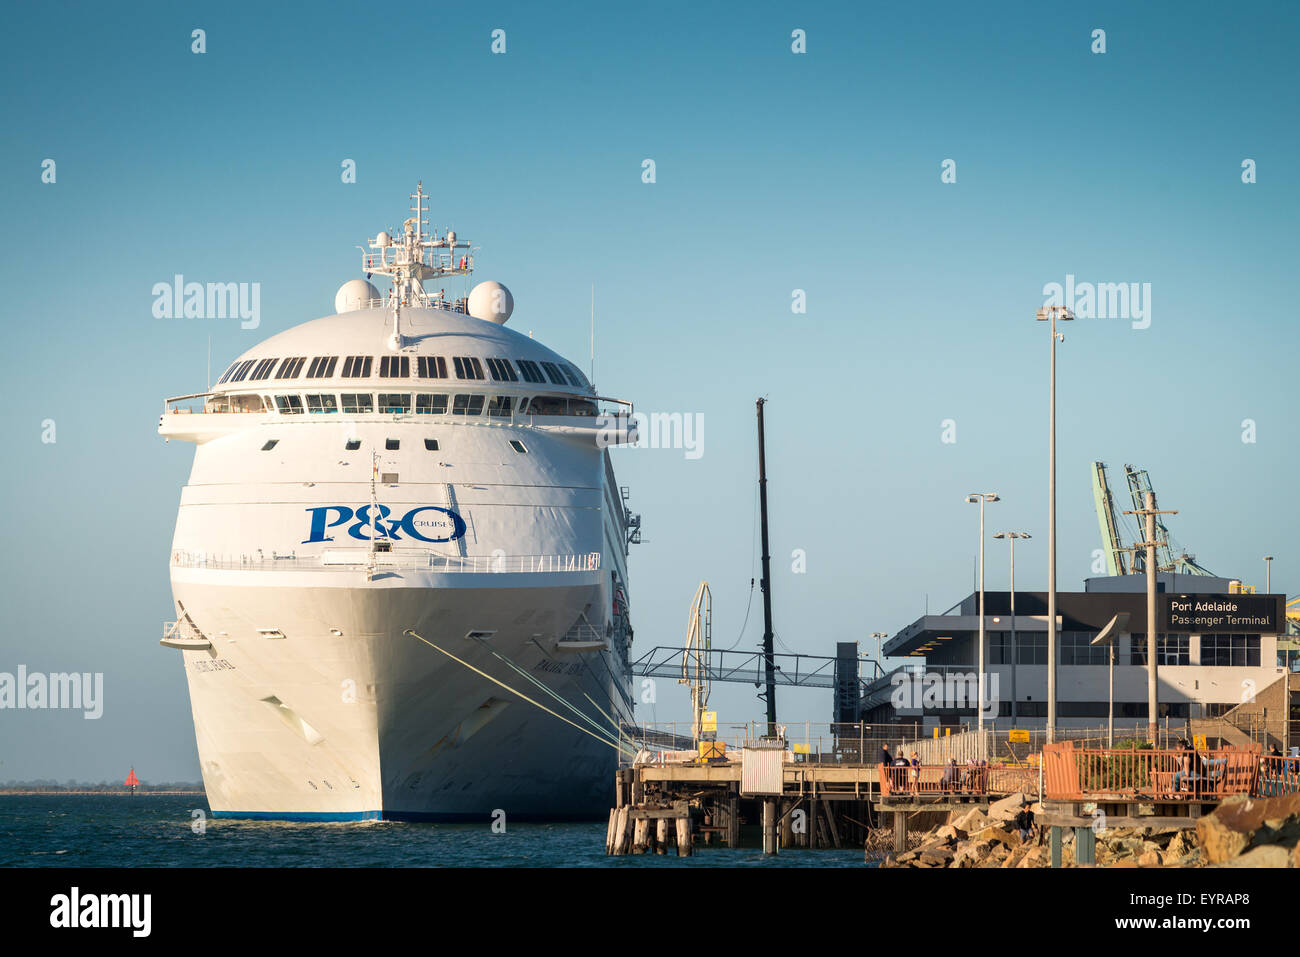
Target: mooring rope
(520, 694)
(550, 691)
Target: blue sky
(775, 172)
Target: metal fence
(1072, 773)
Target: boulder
(1241, 821)
(1178, 846)
(970, 821)
(1014, 858)
(1035, 857)
(1007, 808)
(1266, 855)
(1150, 858)
(937, 857)
(952, 833)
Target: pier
(777, 794)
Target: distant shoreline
(120, 792)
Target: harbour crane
(1124, 559)
(696, 654)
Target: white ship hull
(377, 724)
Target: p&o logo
(425, 523)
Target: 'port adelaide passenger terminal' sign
(1201, 614)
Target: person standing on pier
(886, 758)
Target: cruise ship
(400, 562)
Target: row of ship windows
(399, 367)
(400, 403)
(393, 445)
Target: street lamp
(879, 664)
(1012, 536)
(1268, 574)
(1052, 314)
(981, 497)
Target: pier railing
(849, 744)
(932, 779)
(1118, 774)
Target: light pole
(1051, 314)
(1011, 537)
(981, 497)
(1268, 574)
(879, 664)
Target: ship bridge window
(467, 405)
(530, 370)
(431, 367)
(289, 404)
(322, 403)
(358, 402)
(270, 444)
(502, 371)
(290, 367)
(554, 374)
(518, 446)
(576, 378)
(468, 367)
(356, 367)
(322, 367)
(431, 444)
(263, 370)
(242, 372)
(248, 403)
(559, 405)
(392, 445)
(229, 371)
(394, 367)
(499, 405)
(395, 402)
(352, 444)
(426, 404)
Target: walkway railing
(932, 780)
(352, 559)
(1072, 773)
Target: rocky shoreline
(1241, 832)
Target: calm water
(85, 830)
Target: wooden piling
(661, 836)
(769, 826)
(900, 832)
(684, 836)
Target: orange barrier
(1071, 773)
(932, 779)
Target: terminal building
(1220, 651)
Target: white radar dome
(354, 294)
(491, 302)
(383, 239)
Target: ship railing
(395, 255)
(346, 559)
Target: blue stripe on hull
(300, 815)
(432, 817)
